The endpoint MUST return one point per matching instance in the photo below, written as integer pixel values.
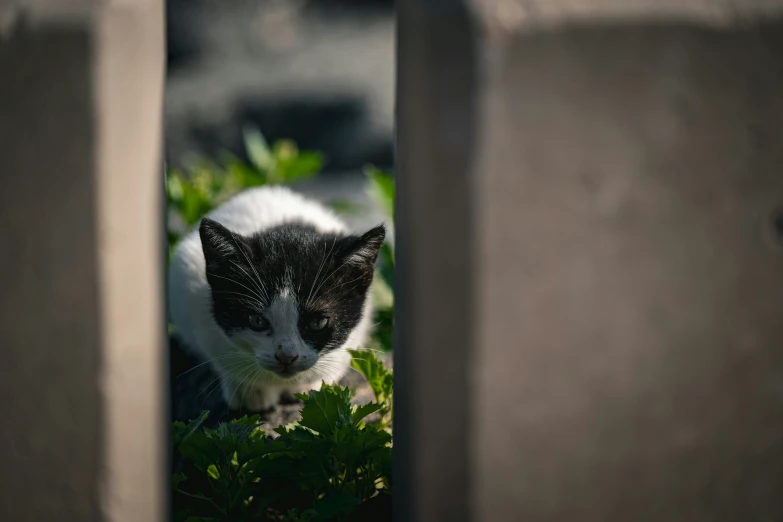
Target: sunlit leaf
(257, 148)
(381, 189)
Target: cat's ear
(220, 245)
(363, 251)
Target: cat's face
(290, 294)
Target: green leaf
(371, 439)
(387, 263)
(303, 165)
(382, 294)
(181, 431)
(326, 409)
(244, 176)
(383, 335)
(181, 515)
(257, 449)
(338, 504)
(213, 472)
(376, 509)
(178, 478)
(174, 185)
(257, 149)
(381, 189)
(363, 411)
(345, 207)
(378, 376)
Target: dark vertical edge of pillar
(436, 135)
(168, 507)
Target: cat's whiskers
(244, 298)
(236, 283)
(360, 359)
(258, 277)
(327, 363)
(260, 290)
(326, 372)
(374, 350)
(211, 359)
(335, 287)
(344, 263)
(323, 261)
(248, 383)
(232, 376)
(335, 365)
(218, 379)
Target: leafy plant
(380, 379)
(382, 191)
(205, 184)
(329, 466)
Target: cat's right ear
(220, 245)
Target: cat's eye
(317, 324)
(258, 322)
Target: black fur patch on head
(329, 274)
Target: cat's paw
(287, 398)
(287, 394)
(229, 394)
(258, 399)
(242, 397)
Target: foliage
(381, 190)
(380, 379)
(205, 184)
(329, 466)
(332, 465)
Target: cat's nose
(285, 359)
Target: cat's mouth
(286, 372)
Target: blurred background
(318, 72)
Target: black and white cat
(271, 289)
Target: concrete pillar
(590, 287)
(81, 262)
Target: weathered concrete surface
(534, 15)
(81, 311)
(629, 302)
(611, 194)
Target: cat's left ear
(363, 251)
(220, 245)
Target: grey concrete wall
(590, 273)
(81, 308)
